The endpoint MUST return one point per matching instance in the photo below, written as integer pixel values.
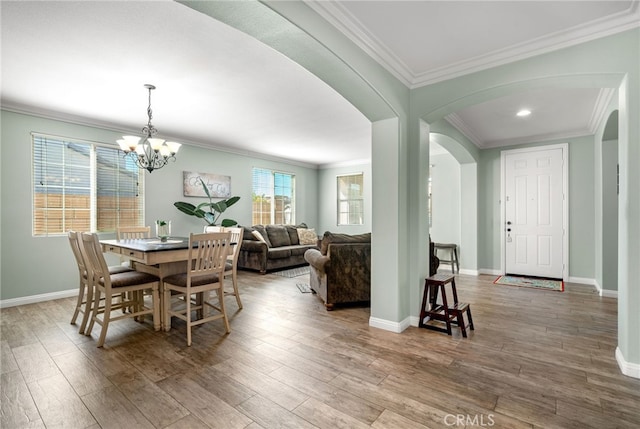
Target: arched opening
(610, 190)
(454, 203)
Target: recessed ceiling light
(523, 112)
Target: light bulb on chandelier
(152, 153)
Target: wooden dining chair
(133, 232)
(187, 295)
(116, 285)
(85, 290)
(231, 266)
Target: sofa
(340, 270)
(274, 247)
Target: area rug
(531, 282)
(303, 288)
(293, 272)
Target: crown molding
(352, 28)
(600, 109)
(457, 122)
(362, 161)
(538, 138)
(87, 122)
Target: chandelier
(152, 153)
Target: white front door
(534, 219)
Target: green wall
(44, 265)
(610, 215)
(327, 197)
(445, 196)
(581, 206)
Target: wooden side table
(446, 313)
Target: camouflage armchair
(341, 269)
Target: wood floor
(537, 359)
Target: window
(273, 197)
(351, 199)
(84, 187)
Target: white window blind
(273, 197)
(84, 187)
(351, 199)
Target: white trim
(598, 287)
(13, 302)
(388, 325)
(340, 17)
(414, 321)
(468, 272)
(456, 121)
(565, 201)
(564, 135)
(628, 368)
(600, 110)
(490, 272)
(606, 293)
(77, 120)
(584, 281)
(351, 163)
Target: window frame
(272, 187)
(97, 158)
(349, 201)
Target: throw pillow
(307, 236)
(258, 236)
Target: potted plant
(210, 211)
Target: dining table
(151, 255)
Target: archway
(609, 201)
(467, 214)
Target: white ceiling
(87, 61)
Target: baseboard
(414, 320)
(598, 287)
(583, 281)
(627, 368)
(5, 303)
(490, 272)
(606, 293)
(468, 272)
(593, 282)
(388, 325)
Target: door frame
(565, 203)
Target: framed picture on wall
(219, 186)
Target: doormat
(293, 272)
(303, 288)
(531, 282)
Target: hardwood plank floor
(537, 359)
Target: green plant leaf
(206, 189)
(187, 208)
(220, 206)
(228, 222)
(231, 201)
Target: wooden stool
(459, 309)
(453, 255)
(449, 315)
